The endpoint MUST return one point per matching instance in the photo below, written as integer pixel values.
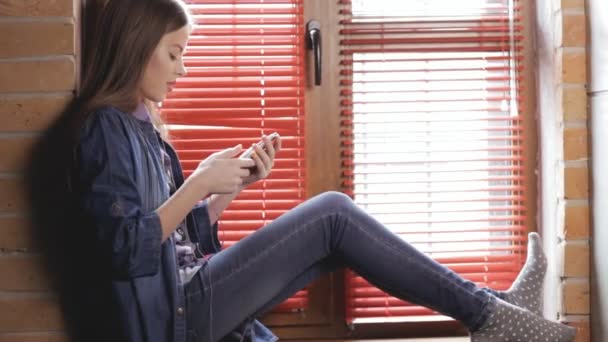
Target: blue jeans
(320, 235)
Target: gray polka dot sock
(509, 323)
(527, 290)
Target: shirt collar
(141, 112)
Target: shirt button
(180, 311)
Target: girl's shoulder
(105, 117)
(110, 122)
(105, 132)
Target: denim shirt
(142, 272)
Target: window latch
(313, 42)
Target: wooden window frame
(326, 316)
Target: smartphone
(247, 154)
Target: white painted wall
(551, 211)
(598, 96)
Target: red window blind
(245, 78)
(433, 136)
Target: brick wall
(562, 61)
(38, 48)
(574, 237)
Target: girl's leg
(242, 280)
(198, 303)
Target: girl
(148, 250)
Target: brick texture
(37, 80)
(29, 312)
(14, 233)
(12, 195)
(569, 36)
(575, 104)
(577, 224)
(37, 8)
(574, 30)
(576, 258)
(576, 182)
(576, 144)
(26, 113)
(22, 272)
(27, 39)
(583, 331)
(14, 151)
(34, 337)
(576, 297)
(568, 4)
(43, 75)
(574, 66)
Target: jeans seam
(484, 314)
(396, 252)
(267, 250)
(357, 225)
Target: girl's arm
(219, 174)
(173, 211)
(218, 203)
(264, 161)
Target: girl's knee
(335, 201)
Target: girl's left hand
(264, 160)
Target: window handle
(313, 42)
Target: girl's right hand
(222, 173)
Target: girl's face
(165, 66)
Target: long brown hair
(125, 34)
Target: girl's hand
(264, 160)
(222, 173)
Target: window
(425, 114)
(433, 136)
